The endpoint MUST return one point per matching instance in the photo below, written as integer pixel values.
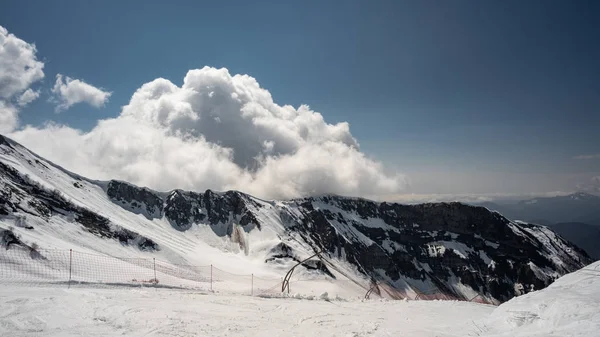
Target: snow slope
(55, 312)
(569, 307)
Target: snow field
(133, 312)
(568, 307)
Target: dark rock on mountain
(8, 238)
(183, 209)
(436, 243)
(138, 200)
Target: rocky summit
(449, 248)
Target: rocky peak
(136, 199)
(184, 208)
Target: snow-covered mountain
(452, 248)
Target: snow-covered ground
(159, 312)
(569, 307)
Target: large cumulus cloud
(19, 69)
(221, 132)
(235, 112)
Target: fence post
(211, 278)
(70, 265)
(154, 264)
(252, 286)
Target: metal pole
(154, 262)
(286, 279)
(70, 265)
(211, 278)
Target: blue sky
(462, 96)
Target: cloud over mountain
(217, 131)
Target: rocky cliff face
(136, 199)
(182, 208)
(436, 244)
(451, 248)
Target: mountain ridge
(454, 248)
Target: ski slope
(57, 312)
(569, 307)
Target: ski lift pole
(70, 265)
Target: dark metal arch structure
(373, 289)
(285, 285)
(286, 280)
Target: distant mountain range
(577, 207)
(576, 217)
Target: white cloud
(27, 97)
(588, 156)
(19, 69)
(68, 91)
(8, 117)
(221, 132)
